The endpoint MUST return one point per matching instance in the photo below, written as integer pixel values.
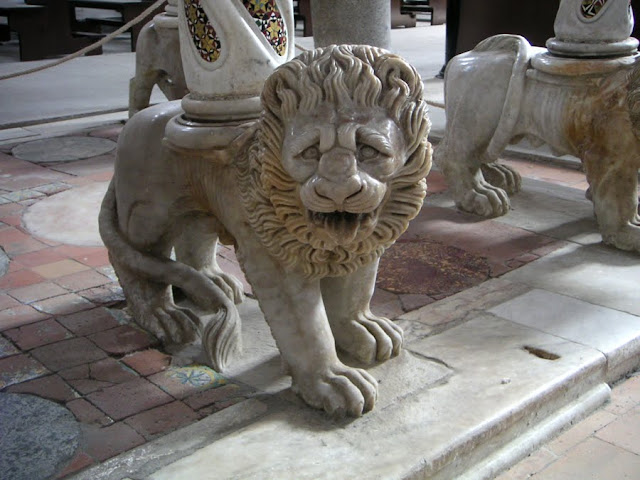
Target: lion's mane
(359, 76)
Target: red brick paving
(17, 316)
(68, 353)
(52, 387)
(163, 419)
(89, 321)
(123, 339)
(103, 443)
(148, 362)
(64, 304)
(85, 412)
(38, 334)
(126, 399)
(21, 278)
(18, 369)
(38, 291)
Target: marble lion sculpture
(310, 195)
(494, 96)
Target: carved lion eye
(366, 152)
(311, 153)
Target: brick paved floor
(65, 336)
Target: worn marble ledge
(478, 394)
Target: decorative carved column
(228, 49)
(593, 28)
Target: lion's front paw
(625, 238)
(369, 338)
(340, 390)
(485, 200)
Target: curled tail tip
(222, 339)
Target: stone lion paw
(369, 338)
(171, 323)
(230, 285)
(340, 391)
(625, 238)
(502, 176)
(485, 200)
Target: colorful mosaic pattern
(202, 32)
(270, 22)
(591, 8)
(198, 376)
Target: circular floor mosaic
(70, 217)
(37, 437)
(429, 268)
(62, 149)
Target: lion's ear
(279, 92)
(401, 82)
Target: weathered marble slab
(616, 334)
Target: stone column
(365, 22)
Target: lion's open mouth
(343, 226)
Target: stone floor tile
(161, 420)
(109, 131)
(41, 257)
(21, 278)
(97, 259)
(77, 252)
(7, 348)
(436, 183)
(8, 302)
(593, 460)
(108, 294)
(412, 302)
(126, 399)
(38, 334)
(60, 268)
(77, 463)
(10, 209)
(18, 316)
(148, 362)
(529, 466)
(180, 382)
(88, 166)
(87, 385)
(111, 370)
(38, 291)
(106, 442)
(85, 412)
(53, 188)
(629, 388)
(52, 387)
(82, 280)
(123, 339)
(580, 432)
(548, 173)
(15, 242)
(19, 368)
(624, 432)
(63, 304)
(89, 321)
(68, 353)
(20, 195)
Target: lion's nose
(338, 192)
(338, 164)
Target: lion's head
(338, 169)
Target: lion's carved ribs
(311, 196)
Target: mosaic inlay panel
(591, 8)
(203, 34)
(270, 22)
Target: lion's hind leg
(196, 246)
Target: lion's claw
(369, 338)
(340, 391)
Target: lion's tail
(221, 334)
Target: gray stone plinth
(37, 437)
(351, 21)
(4, 262)
(62, 149)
